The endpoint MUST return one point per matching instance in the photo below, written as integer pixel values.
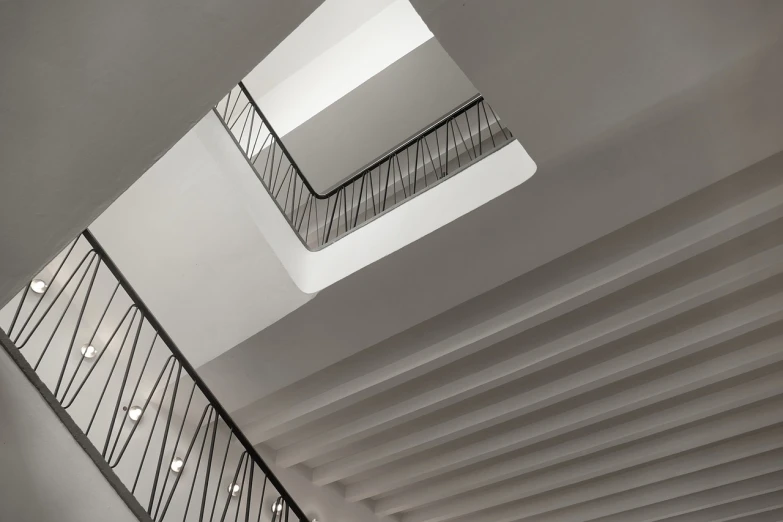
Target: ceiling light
(277, 507)
(134, 413)
(38, 286)
(89, 351)
(177, 464)
(234, 489)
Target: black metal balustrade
(122, 380)
(442, 149)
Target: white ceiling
(729, 121)
(651, 358)
(430, 379)
(435, 362)
(93, 92)
(566, 74)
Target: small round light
(38, 286)
(277, 507)
(177, 464)
(134, 413)
(234, 489)
(89, 351)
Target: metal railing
(439, 151)
(123, 381)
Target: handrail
(472, 102)
(457, 138)
(79, 284)
(468, 104)
(279, 141)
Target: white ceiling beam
(684, 381)
(662, 497)
(739, 460)
(684, 444)
(679, 415)
(294, 410)
(767, 505)
(621, 324)
(758, 492)
(771, 515)
(705, 335)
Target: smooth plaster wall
(382, 112)
(46, 474)
(194, 255)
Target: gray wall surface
(93, 92)
(46, 474)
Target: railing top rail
(478, 98)
(164, 336)
(437, 151)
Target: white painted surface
(360, 54)
(93, 92)
(639, 365)
(314, 271)
(332, 21)
(194, 254)
(325, 504)
(46, 475)
(384, 111)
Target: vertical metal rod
(208, 407)
(122, 387)
(19, 309)
(261, 502)
(41, 298)
(198, 465)
(165, 436)
(478, 119)
(209, 468)
(249, 494)
(131, 308)
(111, 371)
(130, 403)
(48, 308)
(144, 408)
(65, 312)
(154, 422)
(220, 478)
(241, 490)
(236, 475)
(361, 189)
(176, 443)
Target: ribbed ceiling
(639, 378)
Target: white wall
(195, 255)
(384, 111)
(46, 475)
(350, 53)
(326, 26)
